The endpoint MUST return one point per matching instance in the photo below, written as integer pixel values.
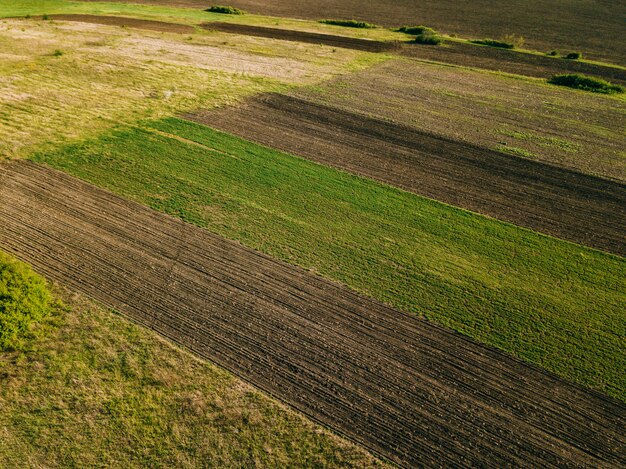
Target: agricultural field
(253, 238)
(594, 27)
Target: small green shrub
(586, 83)
(494, 43)
(24, 301)
(45, 17)
(416, 30)
(226, 10)
(57, 53)
(428, 39)
(553, 53)
(574, 56)
(350, 23)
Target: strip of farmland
(457, 53)
(302, 36)
(407, 389)
(563, 203)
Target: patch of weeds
(574, 56)
(225, 10)
(586, 83)
(57, 53)
(514, 151)
(517, 41)
(553, 53)
(25, 301)
(493, 43)
(548, 142)
(350, 23)
(45, 17)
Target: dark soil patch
(560, 202)
(407, 389)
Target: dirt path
(552, 200)
(128, 23)
(411, 391)
(469, 55)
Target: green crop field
(547, 301)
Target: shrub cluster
(350, 23)
(225, 10)
(583, 82)
(24, 301)
(494, 43)
(428, 39)
(423, 34)
(574, 56)
(416, 30)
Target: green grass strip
(549, 302)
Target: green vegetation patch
(547, 142)
(102, 391)
(547, 301)
(428, 39)
(415, 30)
(494, 43)
(226, 10)
(586, 83)
(24, 302)
(350, 23)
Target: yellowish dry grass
(65, 81)
(100, 391)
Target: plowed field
(560, 202)
(414, 392)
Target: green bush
(428, 39)
(416, 30)
(57, 53)
(583, 82)
(574, 56)
(553, 53)
(350, 23)
(494, 43)
(225, 10)
(24, 301)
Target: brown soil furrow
(556, 201)
(409, 390)
(456, 53)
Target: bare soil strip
(489, 58)
(407, 389)
(128, 22)
(302, 36)
(560, 202)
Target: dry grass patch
(102, 391)
(108, 75)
